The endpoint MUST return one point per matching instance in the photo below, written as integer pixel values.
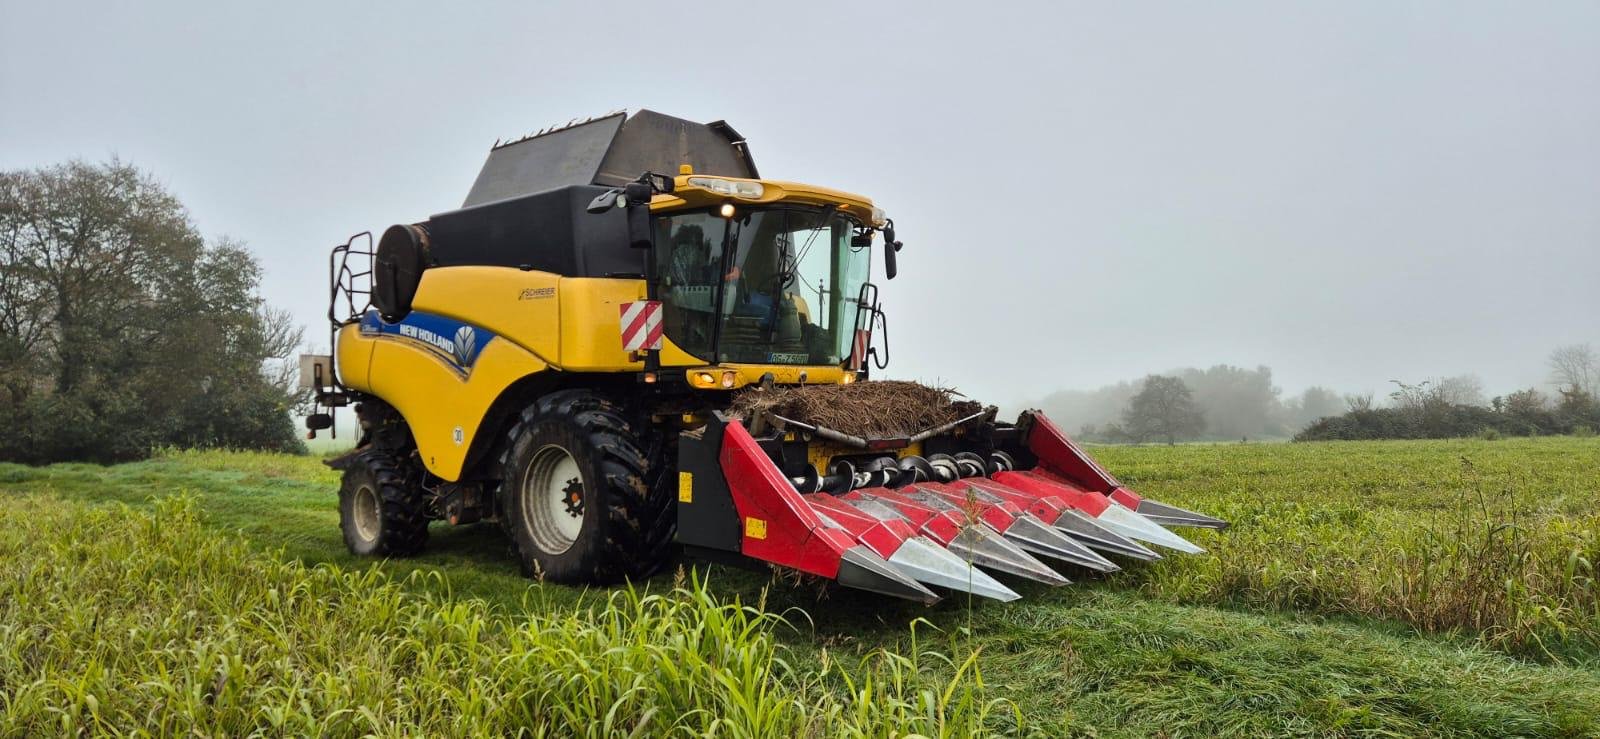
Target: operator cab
(776, 284)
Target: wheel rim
(365, 513)
(552, 499)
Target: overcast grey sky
(1348, 192)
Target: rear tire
(581, 493)
(380, 513)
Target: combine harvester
(568, 354)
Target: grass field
(1388, 588)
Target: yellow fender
(443, 399)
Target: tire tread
(404, 529)
(640, 523)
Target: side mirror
(603, 202)
(890, 246)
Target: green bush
(1454, 422)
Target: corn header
(573, 354)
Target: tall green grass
(146, 622)
(1494, 540)
(1284, 628)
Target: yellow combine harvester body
(562, 355)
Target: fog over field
(1349, 193)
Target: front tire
(381, 514)
(580, 495)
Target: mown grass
(1357, 594)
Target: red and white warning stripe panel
(641, 325)
(858, 350)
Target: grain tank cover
(612, 150)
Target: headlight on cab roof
(731, 188)
(879, 218)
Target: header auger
(567, 355)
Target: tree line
(1226, 402)
(1455, 407)
(122, 329)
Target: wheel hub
(552, 499)
(574, 497)
(365, 513)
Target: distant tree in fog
(1317, 402)
(1576, 366)
(1237, 402)
(1089, 411)
(1314, 403)
(1164, 408)
(1460, 390)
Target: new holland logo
(428, 337)
(466, 341)
(459, 344)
